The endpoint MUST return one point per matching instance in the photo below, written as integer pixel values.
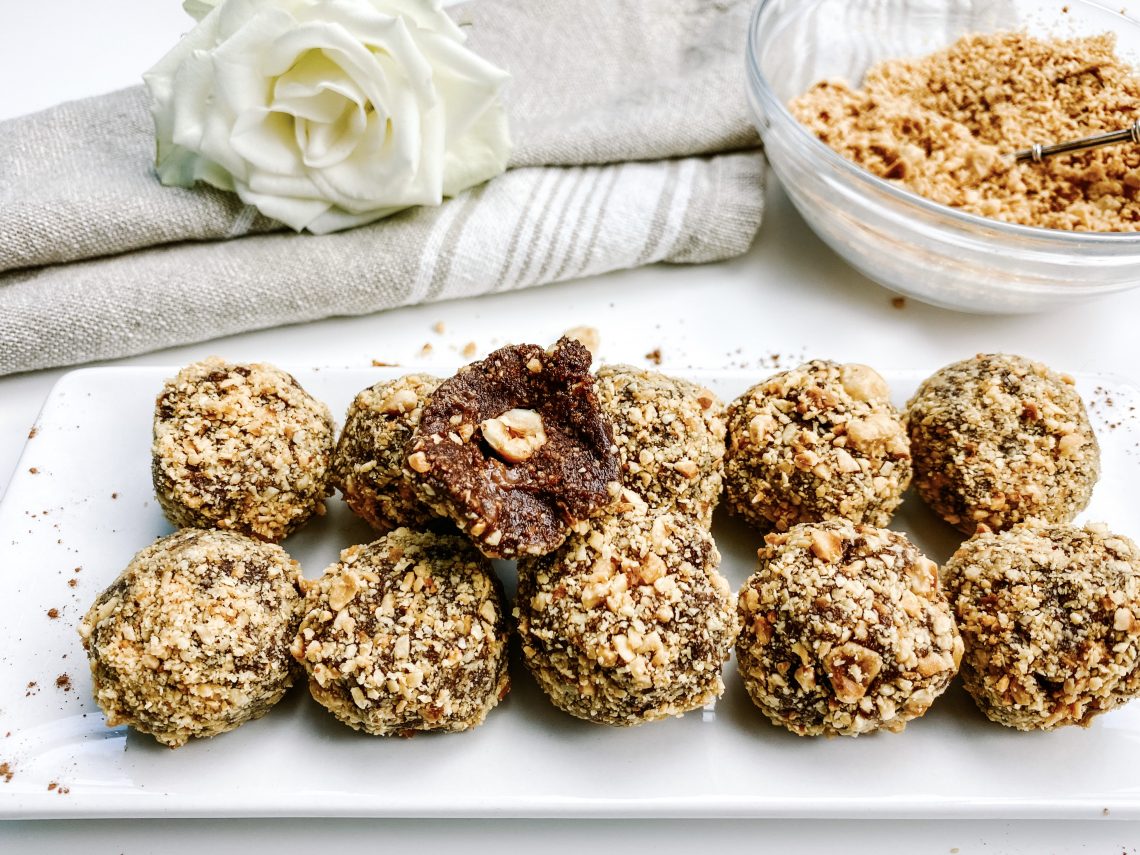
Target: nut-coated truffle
(998, 439)
(240, 447)
(844, 630)
(1050, 616)
(817, 442)
(407, 633)
(629, 621)
(192, 639)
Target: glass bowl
(901, 240)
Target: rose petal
(479, 155)
(240, 82)
(468, 84)
(336, 219)
(328, 144)
(293, 212)
(315, 89)
(425, 14)
(264, 138)
(338, 45)
(275, 184)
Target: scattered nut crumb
(426, 349)
(439, 327)
(71, 583)
(59, 788)
(33, 470)
(376, 363)
(63, 681)
(31, 689)
(32, 433)
(654, 356)
(899, 302)
(114, 495)
(468, 350)
(53, 613)
(588, 337)
(6, 772)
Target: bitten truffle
(844, 630)
(1050, 616)
(405, 634)
(818, 442)
(515, 449)
(628, 622)
(193, 638)
(240, 447)
(368, 464)
(670, 438)
(998, 439)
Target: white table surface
(789, 296)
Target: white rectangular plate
(82, 498)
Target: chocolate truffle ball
(406, 634)
(192, 639)
(844, 630)
(998, 439)
(629, 621)
(1050, 616)
(240, 447)
(368, 464)
(670, 438)
(818, 442)
(515, 449)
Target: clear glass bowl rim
(968, 222)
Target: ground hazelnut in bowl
(980, 256)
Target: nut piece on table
(588, 337)
(844, 630)
(515, 449)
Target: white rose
(326, 114)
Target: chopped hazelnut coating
(515, 449)
(670, 438)
(844, 630)
(940, 126)
(629, 621)
(368, 465)
(240, 447)
(192, 639)
(1050, 616)
(404, 634)
(998, 439)
(818, 442)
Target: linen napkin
(632, 145)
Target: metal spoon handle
(1038, 153)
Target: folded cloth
(632, 146)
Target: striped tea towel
(632, 146)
